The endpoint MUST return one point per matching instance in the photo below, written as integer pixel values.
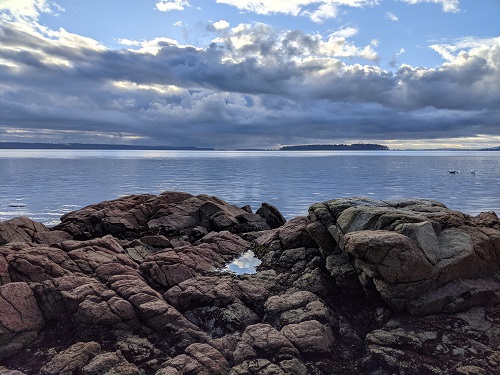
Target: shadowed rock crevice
(360, 286)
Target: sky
(235, 74)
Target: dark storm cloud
(254, 85)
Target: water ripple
(46, 184)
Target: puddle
(246, 263)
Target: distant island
(102, 146)
(93, 146)
(339, 147)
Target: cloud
(128, 42)
(448, 5)
(345, 32)
(261, 43)
(168, 5)
(322, 13)
(242, 91)
(391, 16)
(221, 25)
(316, 10)
(29, 8)
(395, 58)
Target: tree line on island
(335, 147)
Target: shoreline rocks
(134, 285)
(416, 254)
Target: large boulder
(170, 214)
(417, 255)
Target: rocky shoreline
(359, 286)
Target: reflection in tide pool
(246, 263)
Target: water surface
(44, 184)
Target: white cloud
(29, 8)
(448, 5)
(486, 48)
(345, 32)
(178, 24)
(391, 16)
(324, 11)
(221, 25)
(324, 8)
(168, 5)
(128, 42)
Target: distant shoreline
(94, 146)
(326, 147)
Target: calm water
(44, 184)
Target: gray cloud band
(277, 87)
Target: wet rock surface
(137, 286)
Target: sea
(45, 184)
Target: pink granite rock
(20, 318)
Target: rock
(220, 321)
(137, 349)
(392, 263)
(171, 267)
(20, 320)
(4, 269)
(342, 271)
(415, 254)
(263, 340)
(458, 295)
(291, 235)
(169, 214)
(33, 264)
(197, 233)
(257, 366)
(278, 304)
(6, 371)
(138, 285)
(109, 363)
(84, 300)
(150, 306)
(72, 360)
(247, 208)
(437, 344)
(204, 291)
(156, 242)
(52, 237)
(219, 305)
(293, 366)
(271, 214)
(294, 308)
(21, 229)
(199, 359)
(309, 337)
